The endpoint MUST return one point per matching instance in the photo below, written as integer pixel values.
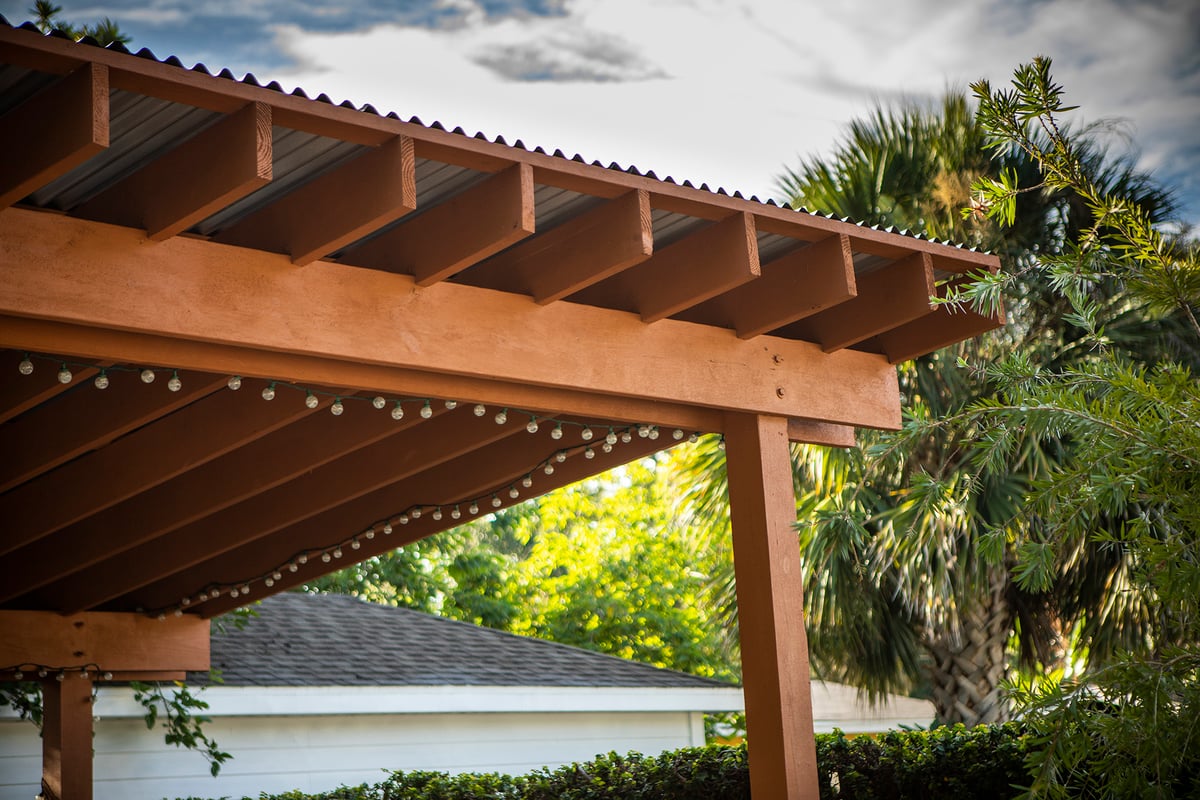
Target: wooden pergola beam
(67, 738)
(53, 132)
(792, 287)
(578, 253)
(930, 330)
(112, 642)
(888, 297)
(685, 273)
(336, 208)
(198, 291)
(437, 244)
(206, 173)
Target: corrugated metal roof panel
(669, 226)
(554, 205)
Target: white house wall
(320, 752)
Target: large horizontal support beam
(113, 642)
(53, 132)
(54, 267)
(208, 172)
(337, 208)
(450, 237)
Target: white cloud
(729, 92)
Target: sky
(715, 91)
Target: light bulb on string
(378, 402)
(653, 434)
(606, 447)
(403, 519)
(626, 437)
(677, 434)
(415, 513)
(148, 376)
(532, 425)
(337, 408)
(586, 434)
(557, 432)
(437, 513)
(514, 493)
(589, 454)
(269, 392)
(479, 410)
(560, 456)
(387, 529)
(174, 384)
(397, 411)
(502, 417)
(527, 481)
(311, 400)
(721, 444)
(234, 383)
(643, 431)
(611, 438)
(26, 366)
(355, 544)
(455, 513)
(369, 533)
(548, 469)
(293, 567)
(326, 557)
(693, 438)
(473, 508)
(426, 410)
(302, 559)
(451, 405)
(496, 502)
(101, 381)
(64, 374)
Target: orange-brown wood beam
(944, 324)
(290, 507)
(111, 641)
(887, 298)
(84, 420)
(92, 343)
(130, 556)
(20, 393)
(683, 274)
(53, 132)
(807, 431)
(792, 287)
(138, 461)
(206, 173)
(766, 559)
(437, 244)
(195, 290)
(67, 738)
(335, 209)
(578, 253)
(491, 469)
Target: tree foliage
(1131, 481)
(46, 16)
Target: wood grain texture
(111, 641)
(196, 291)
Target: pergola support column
(67, 738)
(775, 671)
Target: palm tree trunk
(968, 665)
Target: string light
(557, 432)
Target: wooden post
(67, 738)
(775, 674)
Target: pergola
(445, 324)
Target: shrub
(984, 763)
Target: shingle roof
(330, 640)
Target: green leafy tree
(1131, 479)
(904, 587)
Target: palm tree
(908, 583)
(46, 17)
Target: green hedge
(956, 763)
